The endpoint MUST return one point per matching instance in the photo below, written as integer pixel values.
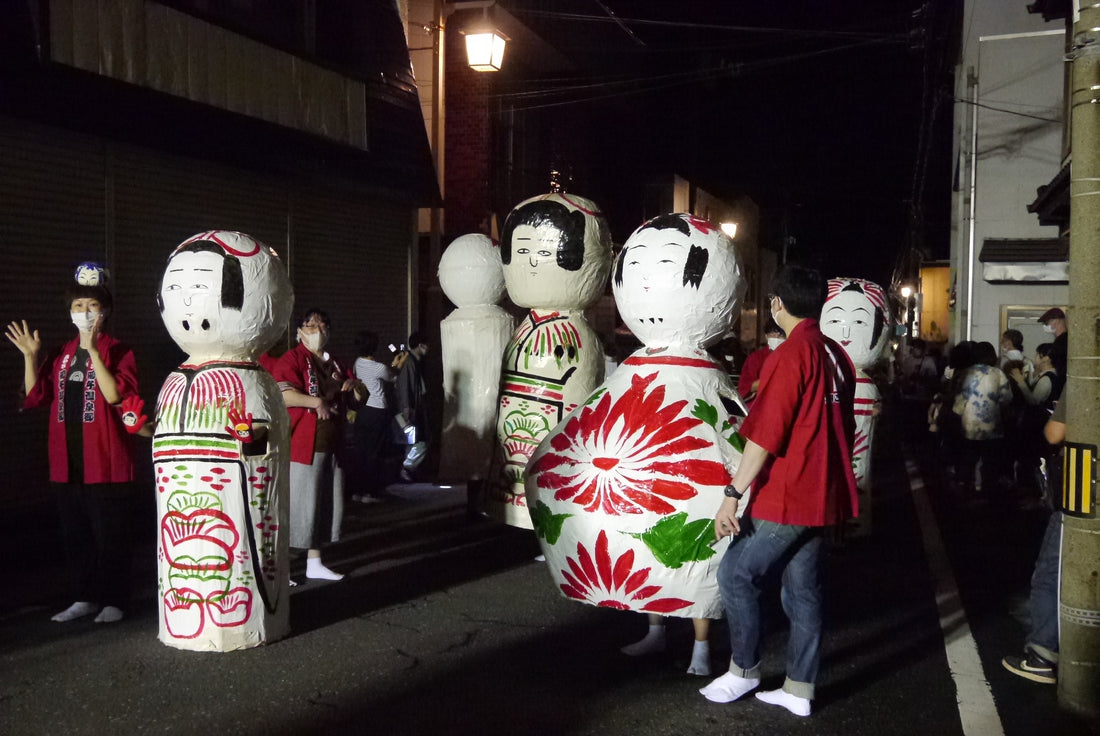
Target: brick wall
(468, 143)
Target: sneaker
(1032, 666)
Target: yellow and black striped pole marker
(1079, 480)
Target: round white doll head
(224, 296)
(856, 315)
(677, 282)
(556, 251)
(470, 271)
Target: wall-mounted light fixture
(484, 42)
(730, 229)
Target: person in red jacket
(798, 459)
(749, 381)
(90, 450)
(315, 388)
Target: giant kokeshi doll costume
(556, 251)
(857, 316)
(221, 448)
(624, 492)
(472, 341)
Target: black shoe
(1032, 666)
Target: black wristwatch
(732, 492)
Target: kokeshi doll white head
(678, 281)
(224, 296)
(556, 251)
(856, 316)
(470, 271)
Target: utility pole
(1079, 600)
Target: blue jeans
(763, 549)
(1043, 603)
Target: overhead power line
(591, 91)
(689, 25)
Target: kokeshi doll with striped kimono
(556, 252)
(221, 448)
(857, 316)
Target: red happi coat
(108, 450)
(296, 370)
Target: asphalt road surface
(446, 625)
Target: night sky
(815, 110)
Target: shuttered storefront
(52, 216)
(66, 198)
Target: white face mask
(1014, 354)
(84, 321)
(314, 341)
(1049, 329)
(774, 342)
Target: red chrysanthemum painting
(613, 585)
(629, 455)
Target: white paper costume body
(221, 448)
(857, 317)
(472, 338)
(556, 251)
(624, 492)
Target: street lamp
(730, 229)
(484, 43)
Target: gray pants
(316, 501)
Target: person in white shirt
(371, 421)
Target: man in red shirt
(798, 459)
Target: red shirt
(751, 370)
(803, 417)
(297, 369)
(108, 448)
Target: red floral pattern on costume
(630, 455)
(613, 585)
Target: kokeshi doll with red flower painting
(857, 316)
(556, 252)
(221, 448)
(624, 491)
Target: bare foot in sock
(75, 611)
(793, 703)
(652, 643)
(729, 687)
(700, 659)
(109, 615)
(317, 571)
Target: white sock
(109, 615)
(317, 571)
(793, 703)
(653, 641)
(700, 658)
(729, 687)
(76, 610)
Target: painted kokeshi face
(677, 282)
(470, 271)
(556, 251)
(856, 316)
(225, 295)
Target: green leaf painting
(674, 540)
(547, 524)
(705, 412)
(737, 441)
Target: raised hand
(28, 341)
(240, 424)
(132, 418)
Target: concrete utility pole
(1079, 609)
